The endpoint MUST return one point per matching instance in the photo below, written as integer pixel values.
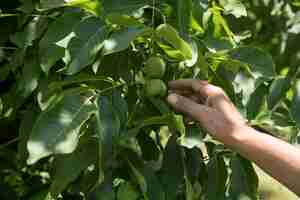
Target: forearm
(278, 158)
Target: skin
(209, 105)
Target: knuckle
(196, 85)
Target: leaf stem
(9, 142)
(114, 87)
(18, 14)
(9, 48)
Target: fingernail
(204, 81)
(172, 99)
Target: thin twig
(2, 146)
(153, 27)
(17, 15)
(114, 87)
(9, 48)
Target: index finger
(192, 85)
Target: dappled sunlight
(66, 40)
(65, 117)
(110, 44)
(36, 147)
(68, 144)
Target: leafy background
(75, 123)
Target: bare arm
(210, 106)
(276, 157)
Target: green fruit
(155, 67)
(155, 87)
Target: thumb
(189, 107)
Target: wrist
(238, 135)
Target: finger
(189, 95)
(181, 92)
(202, 88)
(213, 95)
(187, 106)
(186, 84)
(212, 120)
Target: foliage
(76, 122)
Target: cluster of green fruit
(155, 69)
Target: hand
(207, 104)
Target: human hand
(207, 104)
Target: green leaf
(193, 138)
(25, 128)
(103, 191)
(139, 178)
(127, 192)
(173, 169)
(189, 190)
(1, 106)
(108, 121)
(168, 34)
(92, 6)
(89, 40)
(296, 103)
(60, 29)
(53, 44)
(124, 6)
(257, 102)
(221, 25)
(234, 7)
(148, 182)
(108, 128)
(174, 121)
(278, 124)
(260, 62)
(244, 181)
(68, 167)
(217, 178)
(278, 90)
(178, 124)
(121, 40)
(49, 4)
(171, 52)
(195, 165)
(56, 130)
(184, 16)
(2, 55)
(123, 20)
(154, 187)
(244, 84)
(199, 10)
(47, 96)
(16, 61)
(50, 56)
(32, 31)
(30, 76)
(27, 6)
(119, 69)
(121, 108)
(161, 105)
(217, 44)
(159, 120)
(77, 80)
(39, 195)
(166, 119)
